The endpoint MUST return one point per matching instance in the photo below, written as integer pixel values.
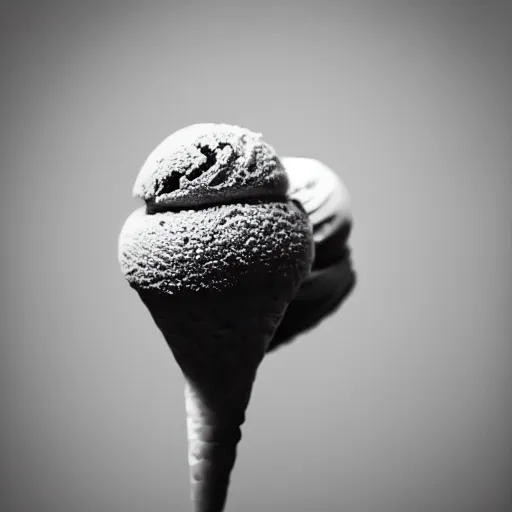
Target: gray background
(401, 402)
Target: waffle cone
(218, 340)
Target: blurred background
(400, 402)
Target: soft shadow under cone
(218, 340)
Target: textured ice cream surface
(205, 164)
(215, 248)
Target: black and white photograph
(256, 255)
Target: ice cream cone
(217, 255)
(218, 340)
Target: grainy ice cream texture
(217, 254)
(214, 248)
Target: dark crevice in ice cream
(152, 208)
(211, 160)
(170, 183)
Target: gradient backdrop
(401, 402)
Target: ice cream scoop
(322, 194)
(205, 164)
(328, 205)
(216, 254)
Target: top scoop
(217, 215)
(208, 163)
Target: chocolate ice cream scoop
(206, 164)
(328, 204)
